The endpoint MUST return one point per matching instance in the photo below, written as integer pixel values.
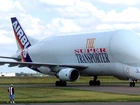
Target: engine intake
(68, 74)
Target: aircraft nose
(132, 72)
(125, 46)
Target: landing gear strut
(94, 82)
(60, 83)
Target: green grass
(51, 80)
(57, 94)
(49, 95)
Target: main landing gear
(132, 83)
(94, 82)
(60, 83)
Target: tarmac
(113, 88)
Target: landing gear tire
(60, 83)
(98, 83)
(94, 82)
(132, 84)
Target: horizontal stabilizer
(12, 65)
(14, 58)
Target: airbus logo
(21, 35)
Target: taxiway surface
(113, 88)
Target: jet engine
(68, 74)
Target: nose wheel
(132, 84)
(94, 82)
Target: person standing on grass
(11, 93)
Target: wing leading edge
(38, 64)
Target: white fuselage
(114, 53)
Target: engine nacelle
(68, 74)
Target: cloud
(4, 39)
(68, 25)
(130, 14)
(81, 15)
(19, 6)
(58, 2)
(6, 5)
(79, 10)
(125, 2)
(35, 27)
(62, 25)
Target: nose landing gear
(132, 82)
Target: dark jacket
(11, 90)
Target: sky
(43, 18)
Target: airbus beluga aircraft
(69, 56)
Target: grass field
(51, 80)
(49, 95)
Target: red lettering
(95, 50)
(81, 51)
(76, 51)
(90, 50)
(102, 50)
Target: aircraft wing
(38, 64)
(14, 58)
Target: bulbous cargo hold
(125, 46)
